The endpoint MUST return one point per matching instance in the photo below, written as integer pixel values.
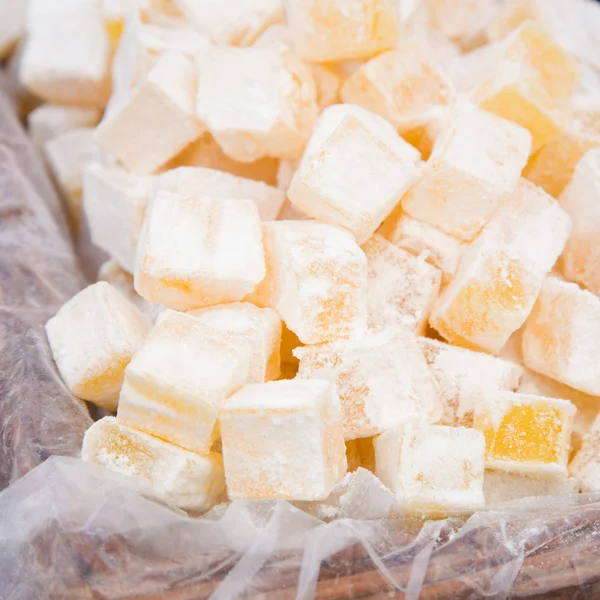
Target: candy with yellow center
(377, 389)
(432, 469)
(475, 164)
(529, 81)
(92, 338)
(560, 339)
(335, 30)
(188, 480)
(199, 251)
(316, 280)
(283, 439)
(526, 434)
(502, 272)
(581, 199)
(179, 380)
(402, 288)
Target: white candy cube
(402, 288)
(217, 184)
(156, 119)
(283, 439)
(432, 468)
(353, 174)
(475, 165)
(561, 338)
(188, 480)
(382, 380)
(179, 379)
(502, 272)
(256, 102)
(67, 53)
(196, 251)
(50, 120)
(92, 338)
(115, 205)
(464, 378)
(316, 280)
(258, 328)
(235, 22)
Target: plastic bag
(73, 530)
(38, 273)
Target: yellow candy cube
(179, 380)
(334, 30)
(526, 434)
(316, 280)
(502, 272)
(529, 82)
(402, 288)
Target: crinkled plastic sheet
(74, 530)
(70, 530)
(38, 273)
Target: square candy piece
(382, 381)
(419, 238)
(283, 439)
(502, 272)
(92, 338)
(233, 23)
(581, 199)
(355, 176)
(562, 336)
(464, 378)
(179, 379)
(67, 54)
(49, 120)
(156, 119)
(115, 202)
(188, 480)
(529, 80)
(334, 30)
(259, 329)
(197, 251)
(402, 288)
(256, 102)
(214, 183)
(475, 165)
(526, 434)
(316, 280)
(401, 85)
(432, 469)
